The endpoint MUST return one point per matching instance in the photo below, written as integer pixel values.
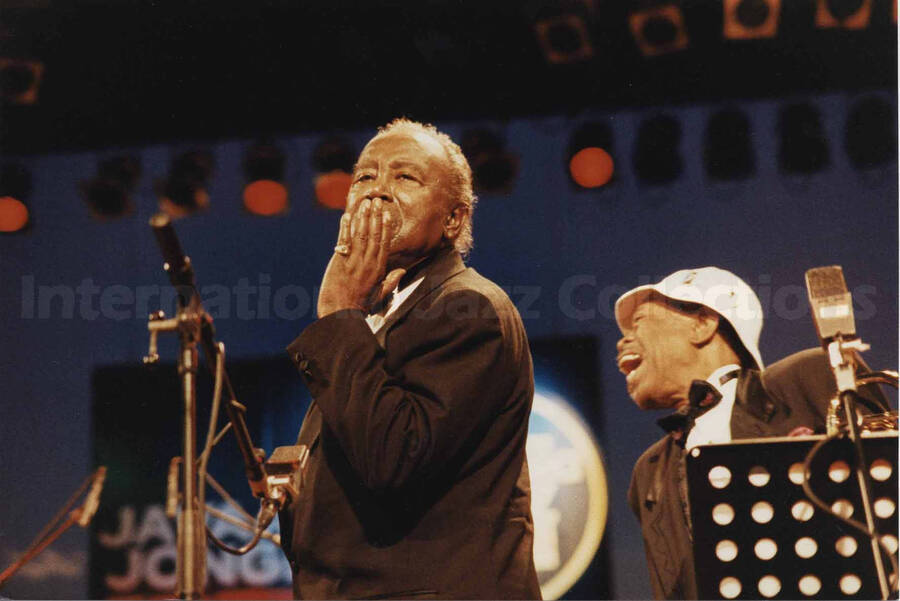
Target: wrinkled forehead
(407, 144)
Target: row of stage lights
(108, 194)
(660, 26)
(563, 30)
(869, 141)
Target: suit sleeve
(806, 378)
(395, 427)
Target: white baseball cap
(715, 288)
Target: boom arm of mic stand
(181, 275)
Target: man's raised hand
(355, 277)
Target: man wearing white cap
(690, 343)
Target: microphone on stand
(832, 305)
(169, 245)
(57, 526)
(177, 264)
(832, 313)
(92, 501)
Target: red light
(265, 197)
(591, 167)
(332, 189)
(13, 214)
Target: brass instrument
(879, 421)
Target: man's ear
(454, 221)
(705, 326)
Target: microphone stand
(54, 529)
(275, 487)
(840, 356)
(190, 563)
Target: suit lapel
(444, 265)
(311, 426)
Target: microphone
(832, 312)
(177, 265)
(168, 241)
(92, 501)
(831, 304)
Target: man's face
(408, 171)
(656, 355)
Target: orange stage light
(332, 189)
(13, 214)
(591, 167)
(265, 197)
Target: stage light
(846, 14)
(589, 156)
(333, 161)
(657, 159)
(870, 139)
(20, 80)
(108, 195)
(750, 19)
(15, 188)
(265, 193)
(332, 189)
(727, 146)
(659, 29)
(184, 192)
(493, 168)
(802, 148)
(564, 38)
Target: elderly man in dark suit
(690, 343)
(419, 368)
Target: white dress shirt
(714, 426)
(376, 320)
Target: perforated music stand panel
(756, 536)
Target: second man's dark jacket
(790, 393)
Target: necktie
(702, 397)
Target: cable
(249, 527)
(203, 476)
(267, 512)
(807, 490)
(211, 431)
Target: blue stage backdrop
(75, 291)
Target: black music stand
(757, 536)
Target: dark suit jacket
(417, 484)
(790, 393)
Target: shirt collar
(401, 294)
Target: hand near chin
(355, 277)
